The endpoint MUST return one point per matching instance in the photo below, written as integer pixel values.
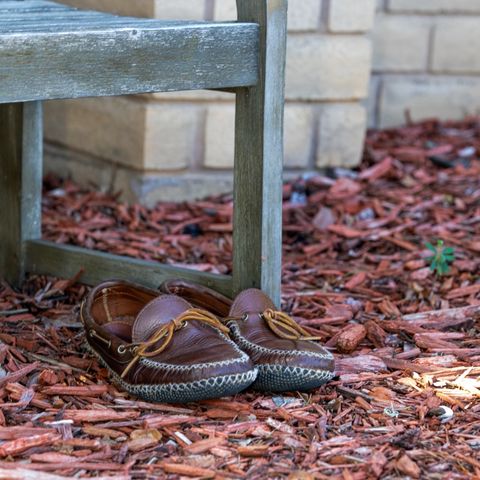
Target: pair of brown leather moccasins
(187, 342)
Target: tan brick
(303, 15)
(445, 98)
(299, 125)
(110, 128)
(193, 95)
(225, 10)
(400, 43)
(341, 132)
(351, 15)
(179, 9)
(434, 6)
(456, 44)
(164, 9)
(171, 136)
(220, 136)
(142, 8)
(327, 67)
(122, 130)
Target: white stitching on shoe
(185, 368)
(184, 392)
(243, 342)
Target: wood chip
(188, 470)
(355, 273)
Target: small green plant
(441, 258)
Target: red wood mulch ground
(406, 401)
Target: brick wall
(426, 59)
(180, 145)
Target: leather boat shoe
(286, 355)
(160, 348)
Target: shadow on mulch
(356, 273)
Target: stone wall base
(133, 185)
(137, 186)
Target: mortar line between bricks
(288, 101)
(378, 97)
(420, 75)
(412, 13)
(312, 158)
(199, 149)
(209, 9)
(430, 48)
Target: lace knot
(285, 326)
(166, 332)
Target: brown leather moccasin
(160, 348)
(286, 356)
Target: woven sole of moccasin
(213, 387)
(276, 377)
(279, 378)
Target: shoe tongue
(250, 301)
(155, 314)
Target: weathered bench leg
(20, 184)
(257, 232)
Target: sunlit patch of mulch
(406, 402)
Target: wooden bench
(51, 51)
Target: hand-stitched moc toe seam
(186, 368)
(233, 383)
(246, 344)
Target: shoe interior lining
(202, 297)
(117, 307)
(121, 329)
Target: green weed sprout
(441, 258)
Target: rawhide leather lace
(166, 333)
(282, 325)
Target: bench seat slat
(125, 60)
(7, 18)
(70, 20)
(30, 6)
(60, 25)
(70, 53)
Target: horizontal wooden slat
(136, 56)
(65, 261)
(68, 24)
(10, 23)
(65, 19)
(51, 51)
(30, 6)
